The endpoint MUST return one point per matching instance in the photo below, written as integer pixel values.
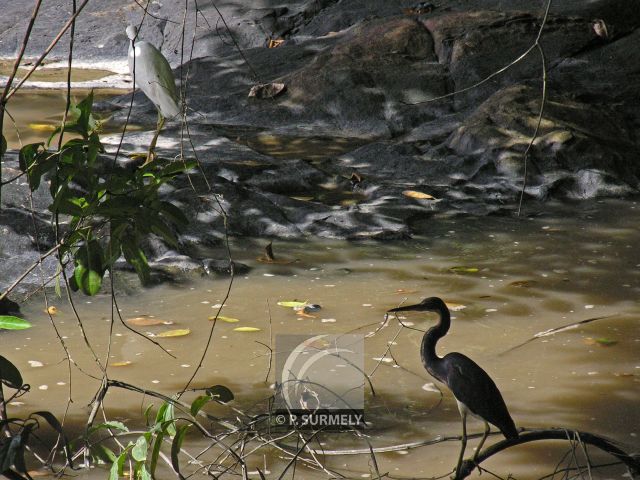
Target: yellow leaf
(120, 364)
(224, 319)
(42, 127)
(51, 310)
(175, 333)
(246, 329)
(292, 304)
(145, 321)
(418, 195)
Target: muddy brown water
(519, 277)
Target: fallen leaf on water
(42, 127)
(292, 304)
(246, 329)
(464, 269)
(51, 310)
(523, 283)
(35, 363)
(418, 195)
(455, 307)
(120, 364)
(145, 321)
(224, 319)
(603, 342)
(174, 333)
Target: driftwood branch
(527, 436)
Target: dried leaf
(275, 43)
(181, 332)
(430, 387)
(51, 310)
(266, 90)
(224, 319)
(145, 321)
(600, 28)
(418, 195)
(246, 329)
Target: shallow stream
(509, 279)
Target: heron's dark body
(468, 382)
(471, 386)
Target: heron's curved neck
(430, 358)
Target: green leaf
(220, 393)
(136, 257)
(103, 453)
(117, 467)
(159, 228)
(9, 374)
(464, 269)
(112, 424)
(198, 403)
(55, 424)
(9, 322)
(174, 214)
(142, 473)
(89, 270)
(175, 449)
(166, 417)
(292, 304)
(155, 453)
(174, 168)
(139, 450)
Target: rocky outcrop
(400, 115)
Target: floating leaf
(181, 332)
(292, 304)
(418, 195)
(35, 363)
(42, 127)
(464, 269)
(52, 310)
(9, 322)
(603, 342)
(246, 329)
(145, 321)
(523, 284)
(124, 363)
(224, 319)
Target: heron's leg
(487, 429)
(463, 413)
(152, 145)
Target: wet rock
(576, 154)
(224, 267)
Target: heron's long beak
(407, 308)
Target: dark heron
(474, 390)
